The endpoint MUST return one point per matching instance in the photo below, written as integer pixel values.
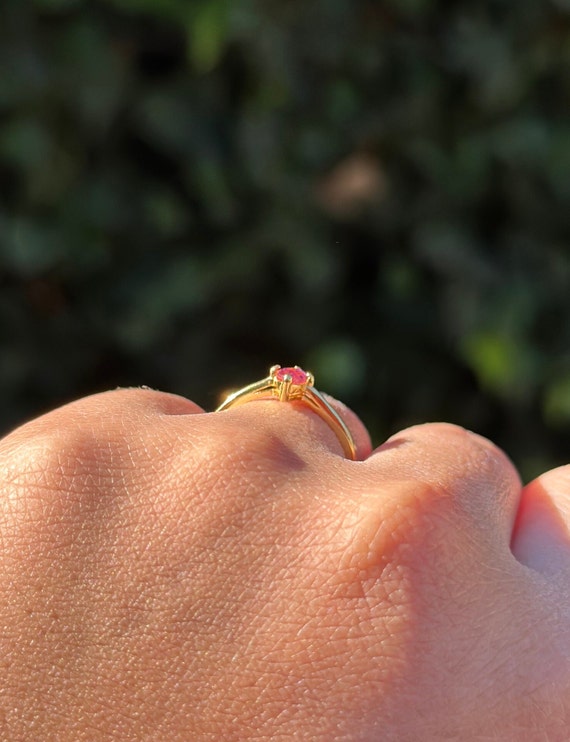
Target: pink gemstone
(298, 376)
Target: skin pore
(170, 574)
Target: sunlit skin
(167, 574)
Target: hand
(167, 574)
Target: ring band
(292, 383)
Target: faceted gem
(298, 376)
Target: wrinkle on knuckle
(404, 558)
(390, 528)
(227, 475)
(236, 442)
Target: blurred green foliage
(193, 190)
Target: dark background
(191, 191)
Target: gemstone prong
(284, 386)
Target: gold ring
(292, 383)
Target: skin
(167, 574)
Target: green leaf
(556, 403)
(207, 34)
(502, 365)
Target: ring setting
(289, 384)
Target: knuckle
(475, 477)
(61, 467)
(456, 437)
(47, 468)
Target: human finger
(471, 477)
(541, 538)
(121, 433)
